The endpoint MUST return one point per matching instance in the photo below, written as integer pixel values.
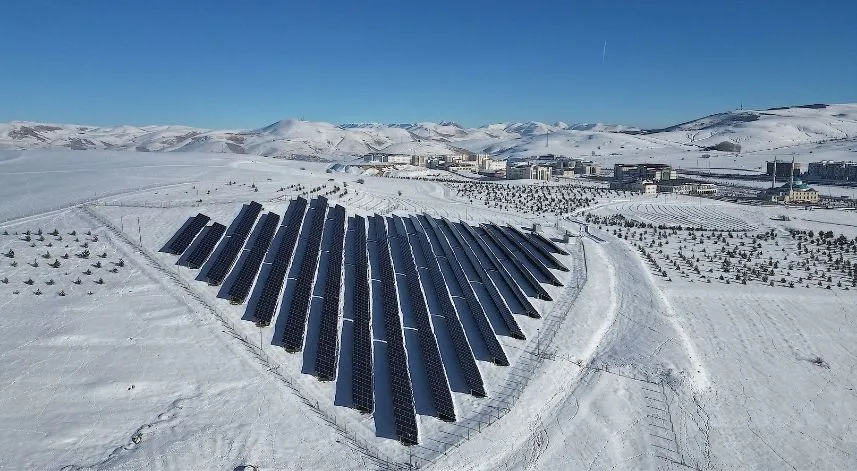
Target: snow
(644, 371)
(762, 135)
(418, 148)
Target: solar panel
(487, 334)
(404, 414)
(184, 238)
(547, 242)
(203, 250)
(234, 243)
(295, 329)
(463, 353)
(528, 254)
(264, 309)
(328, 336)
(473, 262)
(361, 359)
(497, 267)
(537, 247)
(244, 280)
(489, 233)
(435, 372)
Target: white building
(527, 171)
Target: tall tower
(774, 173)
(792, 176)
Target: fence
(518, 377)
(84, 201)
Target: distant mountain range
(751, 130)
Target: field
(688, 333)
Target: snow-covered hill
(752, 130)
(768, 129)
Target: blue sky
(246, 64)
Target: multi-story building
(831, 170)
(526, 170)
(586, 168)
(380, 157)
(624, 172)
(687, 187)
(783, 169)
(628, 172)
(646, 187)
(485, 164)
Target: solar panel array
(263, 311)
(185, 236)
(549, 243)
(328, 335)
(552, 261)
(203, 249)
(241, 286)
(491, 233)
(295, 329)
(472, 261)
(361, 356)
(234, 243)
(438, 384)
(404, 414)
(496, 267)
(489, 338)
(528, 254)
(466, 361)
(492, 267)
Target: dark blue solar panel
(496, 267)
(498, 239)
(203, 250)
(361, 359)
(404, 414)
(528, 254)
(539, 248)
(466, 361)
(470, 260)
(234, 243)
(551, 245)
(328, 336)
(263, 312)
(183, 240)
(295, 329)
(244, 280)
(435, 372)
(498, 356)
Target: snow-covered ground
(644, 371)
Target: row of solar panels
(483, 261)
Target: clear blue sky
(246, 64)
